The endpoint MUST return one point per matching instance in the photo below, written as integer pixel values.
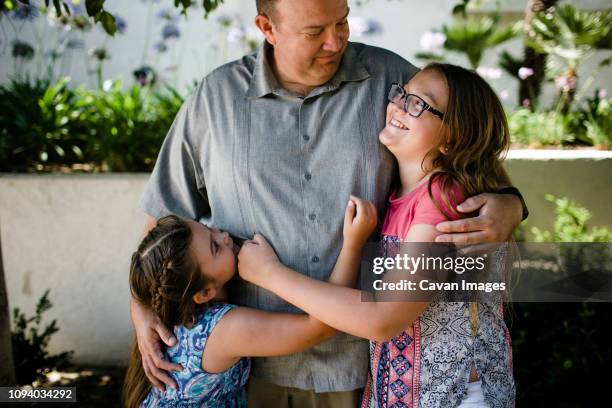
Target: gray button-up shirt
(246, 156)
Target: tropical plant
(127, 127)
(570, 36)
(472, 36)
(571, 224)
(41, 125)
(45, 126)
(538, 129)
(30, 342)
(593, 121)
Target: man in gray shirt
(274, 143)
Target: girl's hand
(255, 259)
(359, 222)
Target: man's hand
(255, 259)
(149, 331)
(359, 222)
(498, 216)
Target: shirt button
(312, 217)
(306, 137)
(315, 259)
(307, 176)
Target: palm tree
(530, 87)
(473, 36)
(569, 36)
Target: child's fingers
(372, 211)
(349, 213)
(358, 206)
(260, 239)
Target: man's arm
(176, 186)
(498, 216)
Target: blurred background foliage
(51, 124)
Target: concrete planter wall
(74, 234)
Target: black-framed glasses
(412, 104)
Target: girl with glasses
(448, 131)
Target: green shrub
(594, 121)
(41, 125)
(49, 125)
(571, 224)
(127, 128)
(537, 129)
(30, 342)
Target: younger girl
(447, 129)
(179, 271)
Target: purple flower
(145, 75)
(361, 26)
(167, 15)
(121, 24)
(170, 31)
(160, 47)
(526, 103)
(566, 83)
(602, 93)
(77, 8)
(525, 72)
(25, 12)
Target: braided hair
(164, 276)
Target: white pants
(475, 397)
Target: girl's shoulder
(211, 316)
(437, 200)
(440, 189)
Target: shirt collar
(264, 82)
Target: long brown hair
(474, 132)
(164, 276)
(476, 138)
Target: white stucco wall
(74, 234)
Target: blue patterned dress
(197, 388)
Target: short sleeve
(441, 208)
(176, 185)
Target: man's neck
(285, 80)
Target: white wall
(74, 235)
(203, 44)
